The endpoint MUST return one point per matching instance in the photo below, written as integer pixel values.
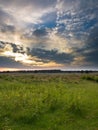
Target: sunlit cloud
(26, 59)
(49, 33)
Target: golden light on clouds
(26, 59)
(48, 33)
(79, 60)
(58, 42)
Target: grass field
(48, 102)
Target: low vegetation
(48, 102)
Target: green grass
(48, 102)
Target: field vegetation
(48, 102)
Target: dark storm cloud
(92, 57)
(52, 55)
(9, 63)
(90, 50)
(92, 46)
(46, 26)
(15, 48)
(40, 32)
(2, 44)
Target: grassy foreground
(48, 102)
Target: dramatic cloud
(53, 55)
(48, 33)
(92, 48)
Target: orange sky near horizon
(9, 69)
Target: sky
(48, 34)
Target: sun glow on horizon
(9, 69)
(29, 60)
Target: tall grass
(48, 102)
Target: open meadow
(48, 101)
